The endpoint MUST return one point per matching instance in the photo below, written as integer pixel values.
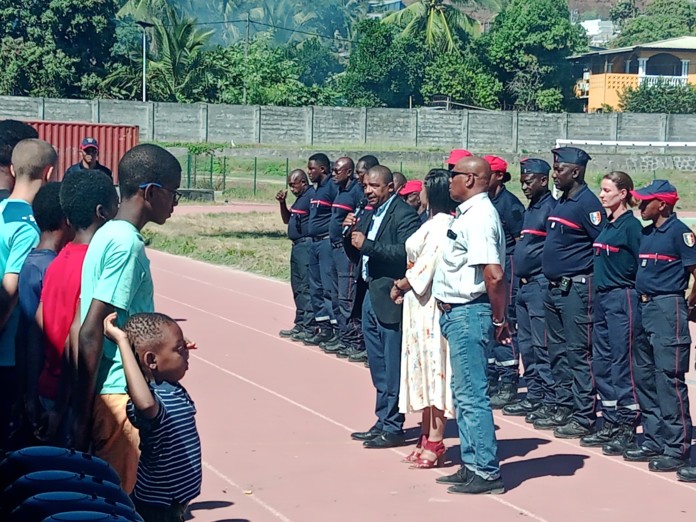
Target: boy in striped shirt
(155, 358)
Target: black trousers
(300, 256)
(569, 329)
(659, 367)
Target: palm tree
(439, 21)
(283, 18)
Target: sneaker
(476, 485)
(507, 394)
(521, 408)
(600, 438)
(625, 438)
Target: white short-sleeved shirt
(475, 238)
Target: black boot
(544, 412)
(521, 408)
(560, 417)
(625, 438)
(507, 394)
(323, 334)
(606, 434)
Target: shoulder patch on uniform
(595, 218)
(689, 239)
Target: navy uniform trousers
(659, 367)
(616, 332)
(320, 278)
(569, 324)
(531, 340)
(344, 288)
(383, 345)
(503, 359)
(300, 256)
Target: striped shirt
(170, 460)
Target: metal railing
(652, 80)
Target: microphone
(358, 212)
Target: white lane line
(309, 349)
(218, 287)
(273, 511)
(318, 414)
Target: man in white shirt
(470, 289)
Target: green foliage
(659, 98)
(384, 69)
(662, 19)
(464, 78)
(623, 11)
(315, 61)
(528, 46)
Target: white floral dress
(425, 364)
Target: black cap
(534, 166)
(571, 155)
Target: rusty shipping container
(66, 137)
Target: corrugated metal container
(66, 137)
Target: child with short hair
(154, 354)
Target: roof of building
(681, 43)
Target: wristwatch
(500, 323)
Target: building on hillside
(607, 72)
(599, 32)
(381, 8)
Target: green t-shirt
(116, 271)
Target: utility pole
(246, 59)
(144, 26)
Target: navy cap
(89, 142)
(571, 155)
(534, 166)
(659, 189)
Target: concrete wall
(369, 129)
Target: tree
(384, 69)
(439, 21)
(661, 97)
(623, 11)
(315, 60)
(662, 19)
(464, 78)
(528, 47)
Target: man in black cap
(89, 158)
(540, 401)
(567, 262)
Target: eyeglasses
(453, 174)
(175, 193)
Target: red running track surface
(275, 416)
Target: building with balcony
(607, 72)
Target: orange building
(608, 72)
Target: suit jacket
(387, 255)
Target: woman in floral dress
(425, 362)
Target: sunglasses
(453, 174)
(175, 193)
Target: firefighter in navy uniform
(567, 261)
(667, 258)
(297, 219)
(540, 401)
(503, 360)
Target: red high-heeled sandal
(413, 456)
(438, 448)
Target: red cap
(456, 155)
(414, 185)
(497, 164)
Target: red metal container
(66, 137)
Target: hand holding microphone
(352, 219)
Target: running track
(275, 417)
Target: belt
(527, 280)
(646, 298)
(320, 238)
(582, 279)
(337, 244)
(301, 240)
(447, 307)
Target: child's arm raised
(138, 389)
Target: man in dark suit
(377, 246)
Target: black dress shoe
(460, 477)
(572, 430)
(687, 474)
(639, 454)
(333, 349)
(606, 434)
(521, 408)
(544, 412)
(385, 440)
(289, 333)
(476, 485)
(370, 434)
(358, 356)
(560, 417)
(665, 464)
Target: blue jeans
(467, 329)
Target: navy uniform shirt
(320, 208)
(298, 226)
(571, 229)
(616, 253)
(666, 254)
(510, 209)
(346, 201)
(527, 260)
(98, 166)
